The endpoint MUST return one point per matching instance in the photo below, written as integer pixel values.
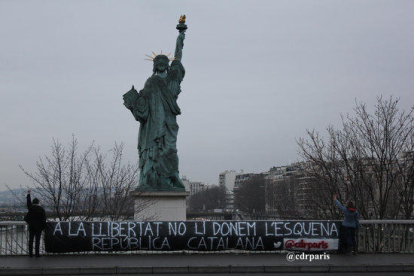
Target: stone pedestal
(160, 206)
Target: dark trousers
(32, 235)
(347, 239)
(350, 237)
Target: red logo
(307, 245)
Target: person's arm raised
(29, 200)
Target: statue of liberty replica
(155, 108)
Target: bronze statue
(156, 108)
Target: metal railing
(374, 236)
(14, 238)
(386, 236)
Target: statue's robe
(156, 108)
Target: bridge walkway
(187, 263)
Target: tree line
(88, 185)
(368, 159)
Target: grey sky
(258, 74)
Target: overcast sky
(258, 74)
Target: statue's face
(161, 63)
(161, 67)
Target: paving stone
(21, 271)
(247, 269)
(61, 271)
(134, 270)
(281, 269)
(209, 269)
(408, 268)
(98, 270)
(384, 268)
(161, 270)
(319, 268)
(347, 268)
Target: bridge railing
(386, 236)
(14, 237)
(374, 236)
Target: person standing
(350, 224)
(36, 218)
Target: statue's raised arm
(181, 27)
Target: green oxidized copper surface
(155, 108)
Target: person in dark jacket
(350, 224)
(36, 218)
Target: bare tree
(283, 196)
(250, 197)
(212, 197)
(117, 181)
(60, 177)
(85, 186)
(369, 160)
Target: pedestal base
(160, 206)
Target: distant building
(289, 192)
(279, 192)
(231, 181)
(196, 187)
(227, 180)
(193, 186)
(242, 177)
(186, 183)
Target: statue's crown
(151, 58)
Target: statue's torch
(181, 27)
